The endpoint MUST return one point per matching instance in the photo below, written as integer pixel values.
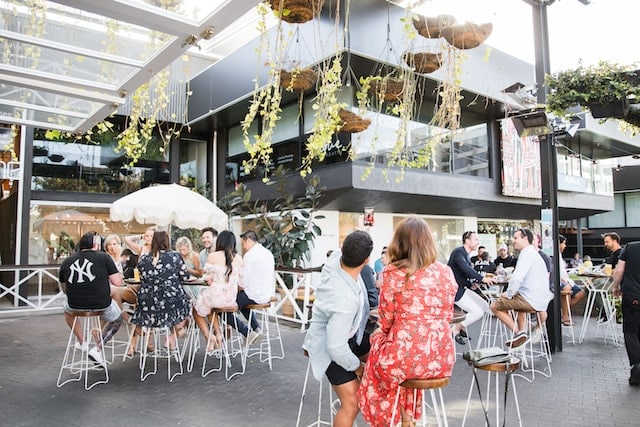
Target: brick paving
(588, 388)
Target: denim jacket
(335, 319)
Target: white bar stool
(319, 421)
(263, 347)
(230, 348)
(76, 356)
(530, 351)
(160, 338)
(497, 368)
(432, 385)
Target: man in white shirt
(528, 289)
(257, 281)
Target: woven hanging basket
(423, 62)
(468, 35)
(298, 80)
(296, 11)
(390, 88)
(431, 27)
(352, 123)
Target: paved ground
(588, 388)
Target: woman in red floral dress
(413, 340)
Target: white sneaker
(253, 335)
(536, 335)
(81, 347)
(96, 355)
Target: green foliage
(288, 227)
(603, 84)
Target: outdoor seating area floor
(588, 387)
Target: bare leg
(577, 298)
(505, 318)
(348, 411)
(116, 295)
(202, 324)
(134, 341)
(565, 308)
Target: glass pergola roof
(68, 64)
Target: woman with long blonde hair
(413, 340)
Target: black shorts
(337, 374)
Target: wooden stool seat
(87, 313)
(425, 384)
(258, 306)
(434, 385)
(510, 366)
(231, 309)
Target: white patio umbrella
(169, 204)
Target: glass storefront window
(632, 208)
(466, 154)
(612, 219)
(62, 165)
(193, 163)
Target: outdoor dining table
(597, 284)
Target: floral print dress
(162, 301)
(413, 340)
(221, 292)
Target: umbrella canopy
(169, 204)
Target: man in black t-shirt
(85, 277)
(626, 282)
(612, 244)
(504, 258)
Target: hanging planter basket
(423, 62)
(390, 88)
(296, 11)
(616, 109)
(298, 79)
(468, 35)
(352, 123)
(431, 27)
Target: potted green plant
(605, 89)
(287, 225)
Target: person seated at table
(467, 278)
(162, 301)
(189, 256)
(129, 262)
(223, 272)
(504, 258)
(484, 265)
(257, 282)
(576, 261)
(85, 278)
(587, 263)
(146, 237)
(528, 289)
(566, 284)
(413, 340)
(113, 247)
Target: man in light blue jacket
(336, 341)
